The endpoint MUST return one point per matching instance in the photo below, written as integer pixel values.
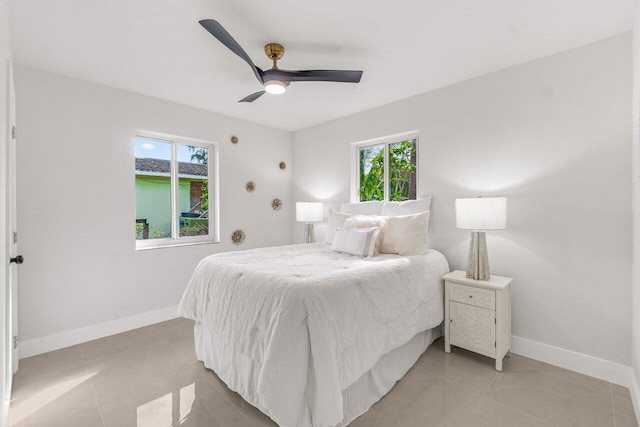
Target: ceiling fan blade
(225, 38)
(344, 76)
(252, 97)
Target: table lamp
(309, 212)
(479, 214)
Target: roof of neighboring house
(164, 166)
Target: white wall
(635, 181)
(77, 201)
(553, 136)
(5, 58)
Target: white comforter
(312, 320)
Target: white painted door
(12, 235)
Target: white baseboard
(573, 361)
(634, 390)
(41, 345)
(4, 420)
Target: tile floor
(150, 377)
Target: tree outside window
(399, 158)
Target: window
(176, 190)
(386, 168)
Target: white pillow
(357, 241)
(405, 234)
(410, 207)
(334, 221)
(363, 221)
(363, 208)
(366, 221)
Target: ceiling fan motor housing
(274, 51)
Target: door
(472, 327)
(12, 235)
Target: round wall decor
(276, 204)
(250, 186)
(234, 139)
(237, 237)
(283, 165)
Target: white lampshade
(481, 213)
(309, 211)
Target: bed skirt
(240, 373)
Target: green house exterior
(153, 199)
(153, 193)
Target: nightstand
(477, 315)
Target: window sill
(175, 245)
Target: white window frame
(214, 192)
(386, 140)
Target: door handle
(18, 260)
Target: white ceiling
(405, 47)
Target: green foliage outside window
(201, 155)
(195, 230)
(205, 196)
(402, 172)
(372, 173)
(154, 232)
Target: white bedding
(312, 321)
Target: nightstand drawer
(477, 297)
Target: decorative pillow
(366, 221)
(357, 241)
(405, 234)
(410, 207)
(363, 208)
(334, 221)
(363, 221)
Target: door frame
(10, 354)
(5, 282)
(12, 231)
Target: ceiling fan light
(275, 87)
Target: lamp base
(309, 234)
(478, 262)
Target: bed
(309, 336)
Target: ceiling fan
(275, 80)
